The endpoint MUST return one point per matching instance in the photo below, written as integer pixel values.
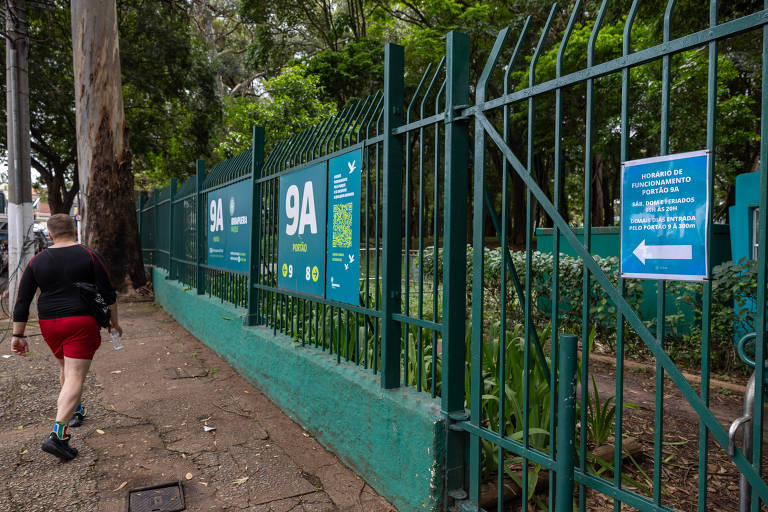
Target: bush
(602, 310)
(734, 288)
(733, 313)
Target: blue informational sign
(343, 270)
(665, 217)
(229, 226)
(301, 232)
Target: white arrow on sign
(334, 285)
(663, 252)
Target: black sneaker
(59, 447)
(77, 418)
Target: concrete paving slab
(148, 408)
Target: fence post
(257, 160)
(566, 422)
(455, 254)
(199, 273)
(155, 227)
(142, 199)
(172, 187)
(394, 72)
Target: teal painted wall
(606, 242)
(747, 198)
(394, 439)
(742, 227)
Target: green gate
(564, 455)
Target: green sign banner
(229, 211)
(343, 266)
(301, 231)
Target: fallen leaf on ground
(188, 476)
(20, 427)
(99, 431)
(119, 486)
(241, 481)
(116, 371)
(24, 452)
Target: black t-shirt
(54, 271)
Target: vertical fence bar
(558, 185)
(436, 239)
(155, 226)
(706, 326)
(529, 326)
(566, 422)
(658, 414)
(172, 189)
(586, 291)
(142, 199)
(478, 235)
(762, 256)
(455, 253)
(394, 73)
(257, 161)
(624, 149)
(199, 271)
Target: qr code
(342, 225)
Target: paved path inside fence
(149, 405)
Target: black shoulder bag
(97, 306)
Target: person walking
(65, 320)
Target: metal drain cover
(159, 498)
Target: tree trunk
(60, 198)
(106, 179)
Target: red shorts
(76, 337)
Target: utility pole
(20, 235)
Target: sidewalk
(147, 406)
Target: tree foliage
(197, 73)
(292, 103)
(168, 85)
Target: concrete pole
(20, 219)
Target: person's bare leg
(61, 372)
(75, 371)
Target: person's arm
(104, 285)
(19, 345)
(113, 322)
(25, 294)
(101, 278)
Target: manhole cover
(159, 498)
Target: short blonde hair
(61, 225)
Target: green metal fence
(567, 461)
(509, 395)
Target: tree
(291, 104)
(104, 159)
(354, 71)
(172, 108)
(51, 98)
